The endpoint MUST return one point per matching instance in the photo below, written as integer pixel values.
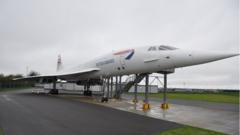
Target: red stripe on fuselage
(123, 52)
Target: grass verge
(188, 130)
(12, 89)
(210, 97)
(1, 131)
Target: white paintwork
(68, 87)
(142, 61)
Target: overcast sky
(33, 33)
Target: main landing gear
(87, 93)
(54, 90)
(104, 99)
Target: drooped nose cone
(205, 57)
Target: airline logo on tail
(129, 53)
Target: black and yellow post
(111, 92)
(146, 105)
(120, 87)
(135, 100)
(116, 87)
(108, 87)
(165, 105)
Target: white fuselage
(146, 60)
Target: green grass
(210, 97)
(1, 132)
(12, 89)
(187, 130)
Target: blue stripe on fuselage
(129, 56)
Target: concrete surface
(24, 113)
(203, 104)
(214, 116)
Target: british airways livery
(149, 59)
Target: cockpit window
(167, 47)
(161, 48)
(152, 48)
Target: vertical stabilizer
(59, 63)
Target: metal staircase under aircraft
(131, 81)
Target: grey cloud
(33, 33)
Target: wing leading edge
(62, 74)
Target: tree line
(7, 81)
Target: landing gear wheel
(104, 99)
(53, 91)
(87, 93)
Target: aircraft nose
(204, 57)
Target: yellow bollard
(165, 106)
(135, 101)
(146, 106)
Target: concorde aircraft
(149, 59)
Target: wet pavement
(26, 113)
(216, 118)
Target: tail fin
(59, 63)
